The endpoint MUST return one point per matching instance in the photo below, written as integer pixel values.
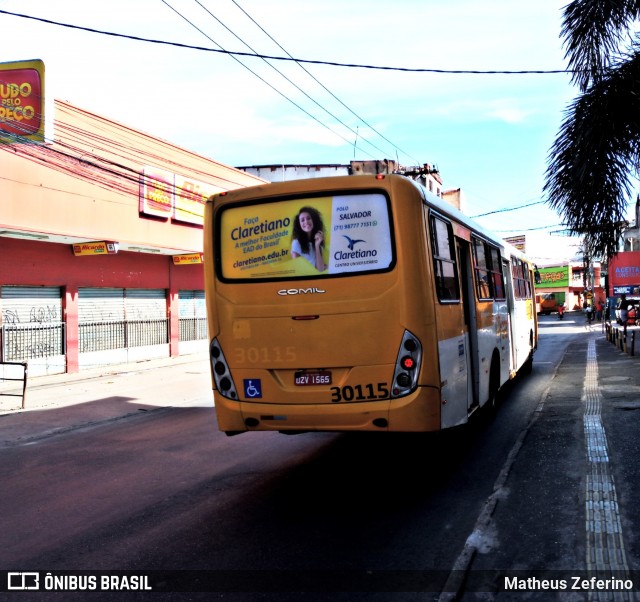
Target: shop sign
(156, 193)
(555, 277)
(95, 248)
(624, 269)
(188, 259)
(190, 199)
(22, 101)
(165, 194)
(626, 290)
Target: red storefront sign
(22, 101)
(624, 272)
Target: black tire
(494, 385)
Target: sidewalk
(62, 402)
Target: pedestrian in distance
(589, 312)
(623, 307)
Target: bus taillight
(405, 377)
(220, 370)
(408, 363)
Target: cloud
(508, 111)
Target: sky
(488, 134)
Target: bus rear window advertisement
(305, 237)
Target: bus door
(507, 276)
(463, 249)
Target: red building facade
(101, 241)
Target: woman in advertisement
(308, 237)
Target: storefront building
(571, 285)
(101, 244)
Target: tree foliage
(596, 152)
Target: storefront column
(173, 311)
(70, 309)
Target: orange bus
(359, 303)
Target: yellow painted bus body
(294, 349)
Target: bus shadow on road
(378, 472)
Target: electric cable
(301, 65)
(508, 209)
(298, 60)
(288, 79)
(68, 154)
(282, 94)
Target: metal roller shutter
(193, 315)
(146, 314)
(145, 304)
(192, 304)
(186, 304)
(32, 328)
(31, 304)
(101, 305)
(101, 320)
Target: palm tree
(597, 150)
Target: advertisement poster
(556, 277)
(165, 194)
(190, 199)
(22, 100)
(156, 192)
(306, 237)
(624, 273)
(95, 248)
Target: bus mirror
(536, 275)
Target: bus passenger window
(481, 270)
(521, 278)
(516, 275)
(444, 263)
(497, 280)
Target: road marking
(605, 544)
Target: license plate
(309, 379)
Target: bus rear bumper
(417, 412)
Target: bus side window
(524, 280)
(516, 277)
(481, 269)
(497, 279)
(521, 278)
(444, 262)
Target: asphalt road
(163, 490)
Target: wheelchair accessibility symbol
(253, 389)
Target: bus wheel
(527, 367)
(494, 385)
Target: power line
(508, 209)
(297, 60)
(283, 75)
(528, 229)
(322, 85)
(108, 161)
(235, 58)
